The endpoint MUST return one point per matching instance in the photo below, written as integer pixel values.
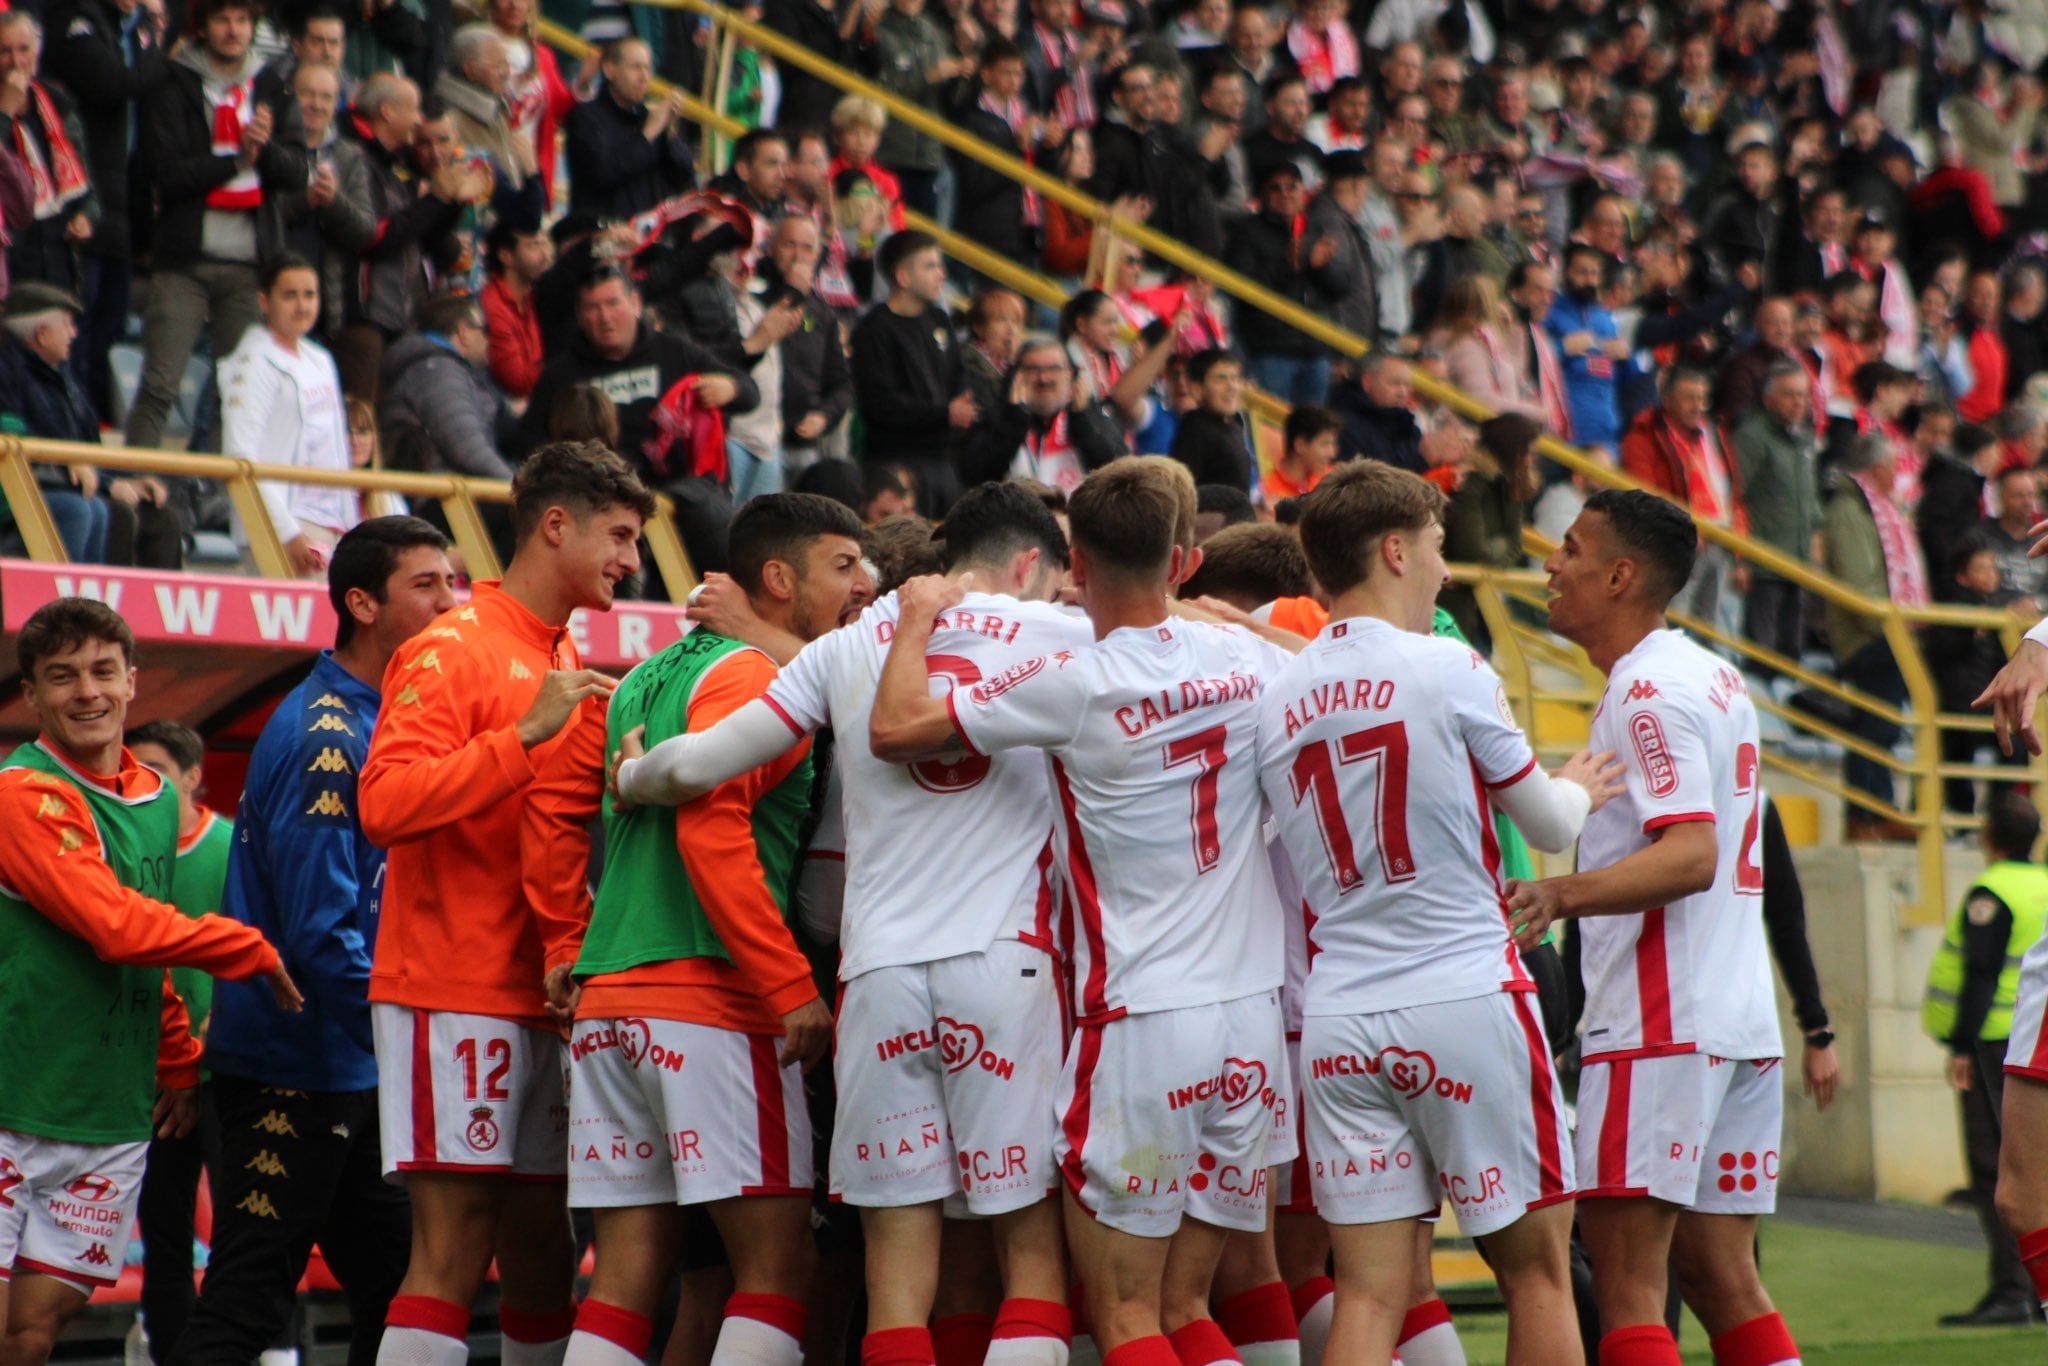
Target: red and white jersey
(1153, 738)
(1300, 923)
(1693, 976)
(946, 856)
(1377, 747)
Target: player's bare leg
(33, 1311)
(1250, 1296)
(903, 1263)
(1033, 1325)
(637, 1246)
(769, 1246)
(1301, 1244)
(454, 1232)
(1715, 1256)
(536, 1250)
(969, 1294)
(1191, 1257)
(1121, 1277)
(1531, 1258)
(1375, 1285)
(1427, 1337)
(2023, 1173)
(1628, 1240)
(700, 1308)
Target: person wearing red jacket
(537, 96)
(1678, 452)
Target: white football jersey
(946, 856)
(1377, 748)
(1693, 976)
(1152, 735)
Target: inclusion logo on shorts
(1241, 1080)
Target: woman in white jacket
(281, 404)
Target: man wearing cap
(101, 515)
(1335, 214)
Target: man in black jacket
(108, 66)
(1212, 440)
(216, 217)
(1134, 159)
(1378, 422)
(626, 156)
(817, 379)
(1040, 432)
(907, 378)
(1265, 247)
(990, 207)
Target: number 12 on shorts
(1314, 776)
(498, 1054)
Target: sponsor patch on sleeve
(1660, 773)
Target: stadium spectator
(1282, 140)
(1346, 126)
(40, 122)
(1308, 448)
(1041, 429)
(515, 259)
(995, 328)
(2018, 494)
(1379, 414)
(1135, 161)
(329, 222)
(626, 155)
(1675, 450)
(1991, 123)
(1483, 519)
(1475, 335)
(1213, 439)
(817, 380)
(1532, 289)
(1741, 386)
(1776, 464)
(170, 1181)
(220, 137)
(1871, 547)
(908, 380)
(109, 59)
(913, 59)
(1336, 213)
(1746, 223)
(1817, 253)
(1964, 660)
(991, 208)
(1990, 364)
(474, 90)
(438, 412)
(1310, 273)
(2023, 327)
(1590, 343)
(39, 396)
(536, 94)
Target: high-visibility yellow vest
(2023, 887)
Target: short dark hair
(203, 10)
(1202, 362)
(1279, 81)
(752, 141)
(1973, 544)
(1124, 516)
(1356, 506)
(1250, 565)
(1227, 501)
(2011, 824)
(366, 557)
(182, 743)
(1656, 530)
(839, 480)
(998, 49)
(1306, 422)
(1873, 375)
(445, 312)
(504, 236)
(781, 526)
(582, 476)
(1971, 438)
(64, 624)
(897, 249)
(1574, 250)
(991, 522)
(900, 547)
(603, 274)
(266, 279)
(313, 14)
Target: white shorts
(1455, 1100)
(469, 1093)
(67, 1210)
(1170, 1112)
(1695, 1130)
(2027, 1053)
(1293, 1193)
(946, 1073)
(662, 1112)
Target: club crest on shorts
(482, 1132)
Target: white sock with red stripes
(1260, 1323)
(1030, 1333)
(760, 1330)
(1314, 1301)
(607, 1335)
(422, 1331)
(1427, 1337)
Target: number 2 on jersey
(1205, 750)
(1749, 871)
(1314, 775)
(496, 1051)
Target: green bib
(196, 886)
(2023, 887)
(82, 1034)
(646, 910)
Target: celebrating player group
(1151, 919)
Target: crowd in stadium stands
(1782, 262)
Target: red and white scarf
(1550, 384)
(1049, 458)
(60, 179)
(1324, 57)
(244, 193)
(1905, 576)
(1074, 102)
(1013, 113)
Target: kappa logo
(1642, 690)
(51, 805)
(1006, 680)
(1659, 769)
(518, 671)
(426, 659)
(67, 840)
(276, 1122)
(258, 1204)
(329, 760)
(266, 1162)
(482, 1132)
(330, 723)
(409, 696)
(442, 633)
(327, 804)
(466, 614)
(96, 1255)
(328, 699)
(93, 1189)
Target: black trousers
(297, 1168)
(170, 1198)
(2008, 1279)
(1775, 619)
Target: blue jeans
(750, 475)
(81, 524)
(1297, 379)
